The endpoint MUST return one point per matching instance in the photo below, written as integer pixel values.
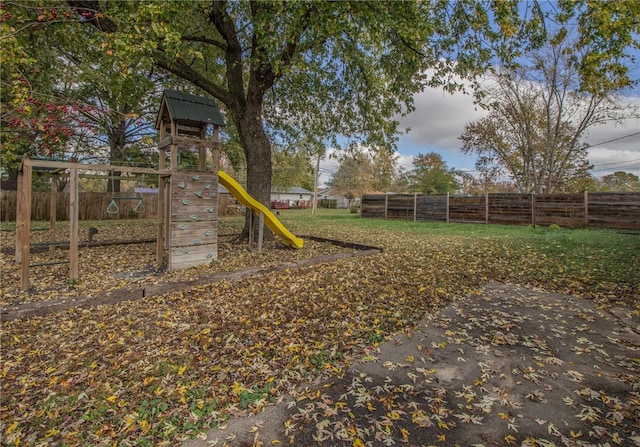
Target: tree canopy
(537, 117)
(332, 72)
(431, 175)
(322, 71)
(620, 181)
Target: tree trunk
(257, 150)
(117, 141)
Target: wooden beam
(260, 232)
(183, 142)
(202, 152)
(215, 153)
(25, 225)
(73, 225)
(533, 210)
(586, 209)
(85, 167)
(53, 205)
(447, 206)
(160, 235)
(486, 207)
(19, 223)
(161, 200)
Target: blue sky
(440, 117)
(439, 120)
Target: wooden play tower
(187, 202)
(188, 199)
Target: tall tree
(67, 94)
(33, 121)
(355, 174)
(384, 163)
(351, 66)
(291, 168)
(620, 181)
(538, 116)
(431, 175)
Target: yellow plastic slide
(272, 221)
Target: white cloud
(439, 120)
(328, 166)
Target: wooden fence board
(373, 205)
(466, 209)
(603, 210)
(510, 209)
(400, 206)
(614, 210)
(565, 210)
(431, 207)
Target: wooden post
(53, 205)
(260, 231)
(173, 164)
(25, 224)
(73, 224)
(19, 218)
(161, 198)
(215, 149)
(586, 209)
(533, 209)
(386, 205)
(202, 151)
(486, 207)
(160, 225)
(415, 206)
(251, 228)
(447, 207)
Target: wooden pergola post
(24, 224)
(73, 224)
(53, 206)
(160, 236)
(18, 249)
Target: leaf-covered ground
(510, 366)
(163, 369)
(108, 267)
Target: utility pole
(314, 205)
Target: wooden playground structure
(187, 200)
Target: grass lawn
(165, 368)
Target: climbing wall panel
(193, 235)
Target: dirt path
(510, 366)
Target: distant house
(294, 197)
(329, 198)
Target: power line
(617, 162)
(615, 139)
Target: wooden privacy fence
(91, 206)
(590, 209)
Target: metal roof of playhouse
(187, 108)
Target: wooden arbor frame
(182, 123)
(23, 221)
